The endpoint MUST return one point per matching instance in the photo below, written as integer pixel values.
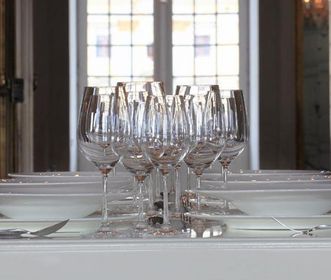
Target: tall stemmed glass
(175, 182)
(235, 128)
(165, 139)
(207, 128)
(94, 138)
(130, 99)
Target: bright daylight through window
(205, 42)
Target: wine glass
(175, 181)
(130, 99)
(207, 129)
(235, 128)
(164, 139)
(94, 138)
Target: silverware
(303, 232)
(20, 233)
(310, 231)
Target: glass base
(105, 231)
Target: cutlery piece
(310, 231)
(20, 233)
(304, 232)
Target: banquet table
(224, 258)
(229, 244)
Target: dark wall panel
(277, 84)
(51, 100)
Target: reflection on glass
(228, 29)
(228, 60)
(98, 61)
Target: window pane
(182, 6)
(228, 29)
(228, 60)
(98, 61)
(142, 6)
(98, 81)
(205, 60)
(142, 30)
(182, 30)
(97, 30)
(114, 80)
(183, 62)
(120, 61)
(120, 30)
(142, 63)
(205, 80)
(205, 30)
(120, 6)
(97, 7)
(205, 6)
(142, 79)
(227, 6)
(229, 82)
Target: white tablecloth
(231, 259)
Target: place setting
(155, 156)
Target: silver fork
(304, 232)
(21, 233)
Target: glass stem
(104, 199)
(166, 220)
(225, 174)
(198, 188)
(225, 170)
(188, 179)
(222, 169)
(150, 185)
(177, 189)
(157, 183)
(135, 197)
(141, 218)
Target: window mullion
(163, 42)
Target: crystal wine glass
(165, 139)
(94, 137)
(130, 99)
(235, 128)
(207, 128)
